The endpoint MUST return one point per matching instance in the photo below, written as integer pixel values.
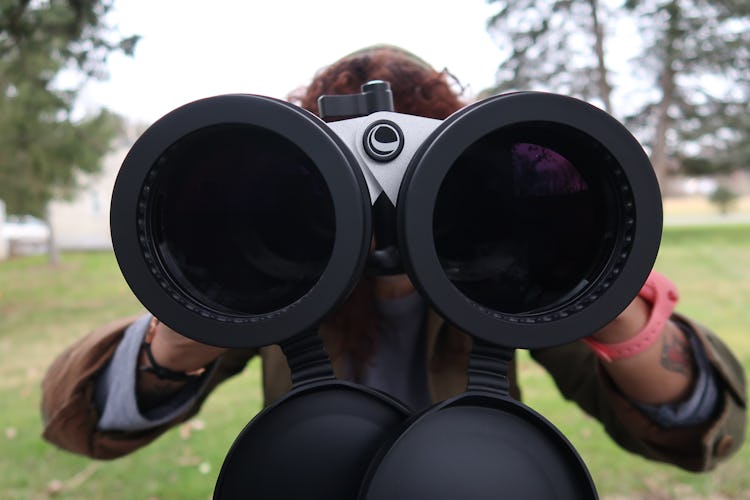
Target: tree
(695, 59)
(555, 45)
(42, 147)
(696, 54)
(723, 197)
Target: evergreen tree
(695, 60)
(553, 45)
(696, 54)
(41, 145)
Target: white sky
(192, 49)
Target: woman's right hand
(175, 352)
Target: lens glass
(242, 219)
(525, 219)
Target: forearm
(694, 434)
(662, 374)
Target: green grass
(43, 309)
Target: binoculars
(527, 220)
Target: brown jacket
(70, 416)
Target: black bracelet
(164, 373)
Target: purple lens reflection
(539, 171)
(521, 227)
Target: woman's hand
(179, 353)
(175, 352)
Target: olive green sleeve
(581, 378)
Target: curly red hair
(418, 89)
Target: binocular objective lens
(242, 220)
(523, 223)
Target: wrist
(175, 353)
(627, 325)
(640, 326)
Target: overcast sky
(192, 49)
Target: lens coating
(243, 222)
(524, 219)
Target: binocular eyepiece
(527, 219)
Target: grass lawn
(43, 309)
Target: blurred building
(83, 222)
(21, 235)
(738, 181)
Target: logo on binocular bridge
(383, 140)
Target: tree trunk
(660, 153)
(53, 252)
(605, 89)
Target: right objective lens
(521, 222)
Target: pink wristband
(663, 296)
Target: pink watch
(663, 296)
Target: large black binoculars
(527, 220)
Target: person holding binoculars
(662, 385)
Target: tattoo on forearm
(676, 355)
